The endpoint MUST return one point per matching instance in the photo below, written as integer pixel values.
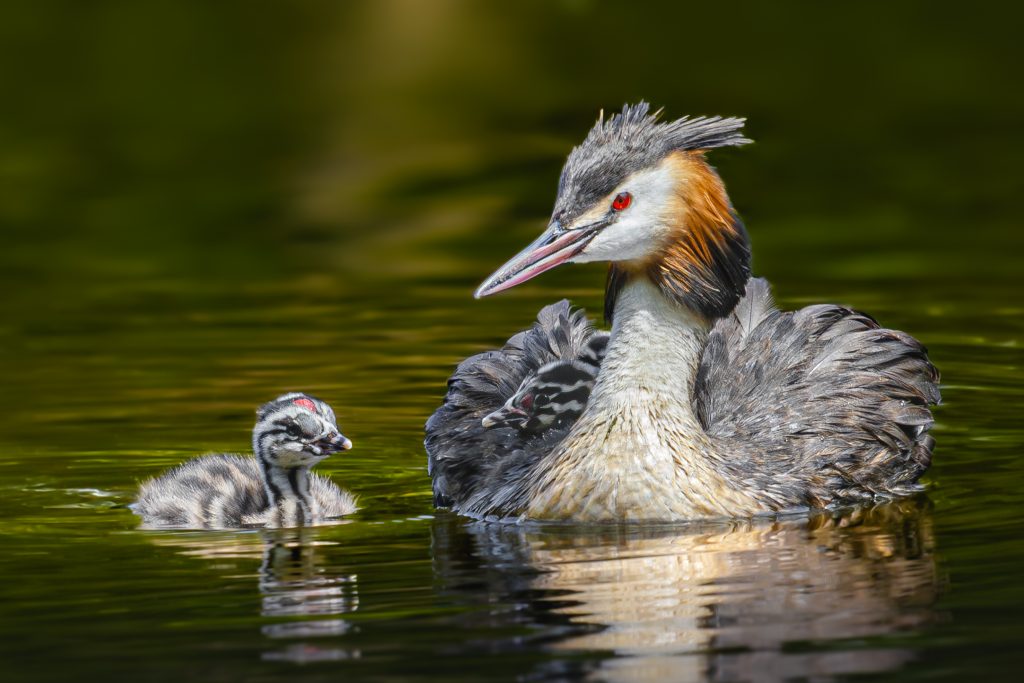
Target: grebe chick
(710, 401)
(554, 396)
(274, 489)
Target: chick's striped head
(553, 397)
(297, 430)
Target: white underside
(638, 450)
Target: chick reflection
(293, 581)
(713, 602)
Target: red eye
(622, 201)
(526, 402)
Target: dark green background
(205, 204)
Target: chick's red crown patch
(305, 403)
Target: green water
(206, 205)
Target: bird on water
(274, 489)
(708, 401)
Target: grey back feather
(818, 406)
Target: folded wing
(820, 405)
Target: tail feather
(756, 306)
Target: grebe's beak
(554, 247)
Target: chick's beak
(554, 247)
(335, 443)
(503, 417)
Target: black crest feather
(630, 141)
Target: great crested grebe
(275, 489)
(709, 400)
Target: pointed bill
(554, 247)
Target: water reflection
(294, 581)
(757, 600)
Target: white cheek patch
(640, 229)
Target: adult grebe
(709, 401)
(275, 489)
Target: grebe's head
(639, 194)
(297, 430)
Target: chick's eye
(293, 430)
(622, 201)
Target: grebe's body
(273, 489)
(709, 401)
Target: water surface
(206, 206)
